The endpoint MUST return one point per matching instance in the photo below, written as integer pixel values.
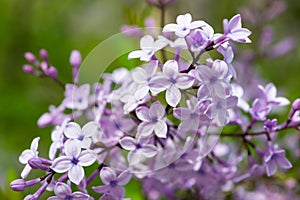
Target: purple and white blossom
(27, 154)
(113, 184)
(152, 120)
(73, 161)
(184, 25)
(148, 48)
(77, 97)
(171, 81)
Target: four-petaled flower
(172, 81)
(148, 48)
(63, 191)
(27, 155)
(184, 25)
(74, 161)
(234, 31)
(276, 158)
(138, 148)
(268, 94)
(73, 131)
(152, 120)
(77, 97)
(113, 185)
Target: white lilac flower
(63, 191)
(152, 120)
(113, 184)
(73, 161)
(148, 48)
(171, 81)
(27, 155)
(77, 97)
(184, 25)
(73, 131)
(143, 76)
(138, 149)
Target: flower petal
(145, 129)
(156, 111)
(87, 158)
(72, 130)
(139, 75)
(25, 156)
(173, 96)
(61, 164)
(101, 189)
(146, 42)
(118, 192)
(149, 150)
(184, 81)
(72, 148)
(124, 178)
(136, 54)
(35, 143)
(61, 189)
(271, 167)
(89, 129)
(161, 129)
(142, 113)
(76, 174)
(171, 28)
(127, 143)
(25, 171)
(170, 68)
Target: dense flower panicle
(160, 122)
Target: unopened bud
(44, 55)
(28, 69)
(30, 57)
(18, 185)
(45, 120)
(37, 163)
(75, 58)
(52, 72)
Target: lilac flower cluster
(151, 123)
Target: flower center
(74, 161)
(113, 183)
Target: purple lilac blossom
(63, 191)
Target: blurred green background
(60, 26)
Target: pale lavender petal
(136, 54)
(196, 24)
(72, 148)
(72, 130)
(173, 96)
(35, 144)
(271, 167)
(54, 198)
(80, 196)
(283, 162)
(76, 174)
(90, 129)
(159, 83)
(282, 101)
(156, 111)
(235, 22)
(145, 129)
(101, 189)
(134, 157)
(184, 81)
(61, 164)
(219, 89)
(107, 175)
(141, 91)
(84, 90)
(184, 19)
(87, 158)
(25, 171)
(161, 129)
(124, 178)
(118, 192)
(127, 143)
(139, 75)
(171, 28)
(149, 150)
(240, 34)
(146, 42)
(159, 44)
(182, 113)
(61, 189)
(170, 68)
(25, 156)
(142, 113)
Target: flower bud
(75, 58)
(45, 120)
(52, 72)
(28, 69)
(30, 197)
(30, 57)
(44, 66)
(18, 185)
(37, 163)
(44, 55)
(296, 105)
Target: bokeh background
(60, 26)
